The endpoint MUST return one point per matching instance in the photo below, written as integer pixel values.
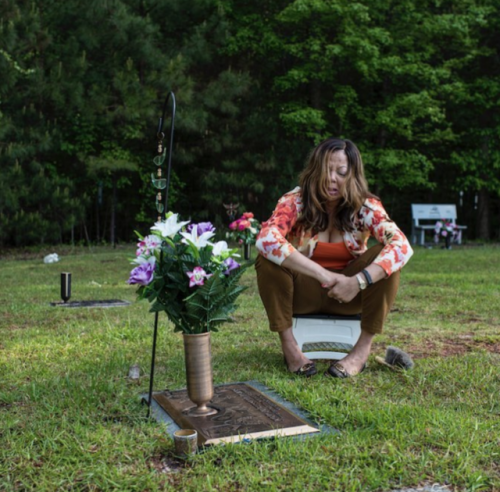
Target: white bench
(321, 336)
(432, 212)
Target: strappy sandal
(338, 371)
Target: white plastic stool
(319, 335)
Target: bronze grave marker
(243, 412)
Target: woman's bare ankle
(354, 362)
(294, 358)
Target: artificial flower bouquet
(245, 229)
(182, 273)
(449, 231)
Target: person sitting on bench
(313, 255)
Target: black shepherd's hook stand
(160, 135)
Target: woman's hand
(342, 288)
(328, 279)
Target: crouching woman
(313, 255)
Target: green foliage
(414, 84)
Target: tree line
(415, 84)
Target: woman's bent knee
(275, 285)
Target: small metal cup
(186, 442)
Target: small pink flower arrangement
(447, 230)
(245, 229)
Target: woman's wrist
(323, 276)
(376, 273)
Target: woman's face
(338, 167)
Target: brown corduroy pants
(285, 293)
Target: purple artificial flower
(197, 276)
(142, 275)
(201, 227)
(231, 265)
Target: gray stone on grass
(426, 488)
(134, 372)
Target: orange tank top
(334, 256)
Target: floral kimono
(280, 236)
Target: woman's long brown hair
(314, 182)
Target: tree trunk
(315, 97)
(315, 93)
(483, 216)
(98, 211)
(112, 226)
(86, 234)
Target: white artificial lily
(169, 227)
(152, 242)
(198, 241)
(220, 248)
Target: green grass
(71, 420)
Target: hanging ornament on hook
(161, 136)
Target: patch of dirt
(170, 467)
(446, 347)
(167, 464)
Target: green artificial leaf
(157, 307)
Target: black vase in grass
(65, 286)
(247, 251)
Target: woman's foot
(337, 370)
(295, 360)
(353, 363)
